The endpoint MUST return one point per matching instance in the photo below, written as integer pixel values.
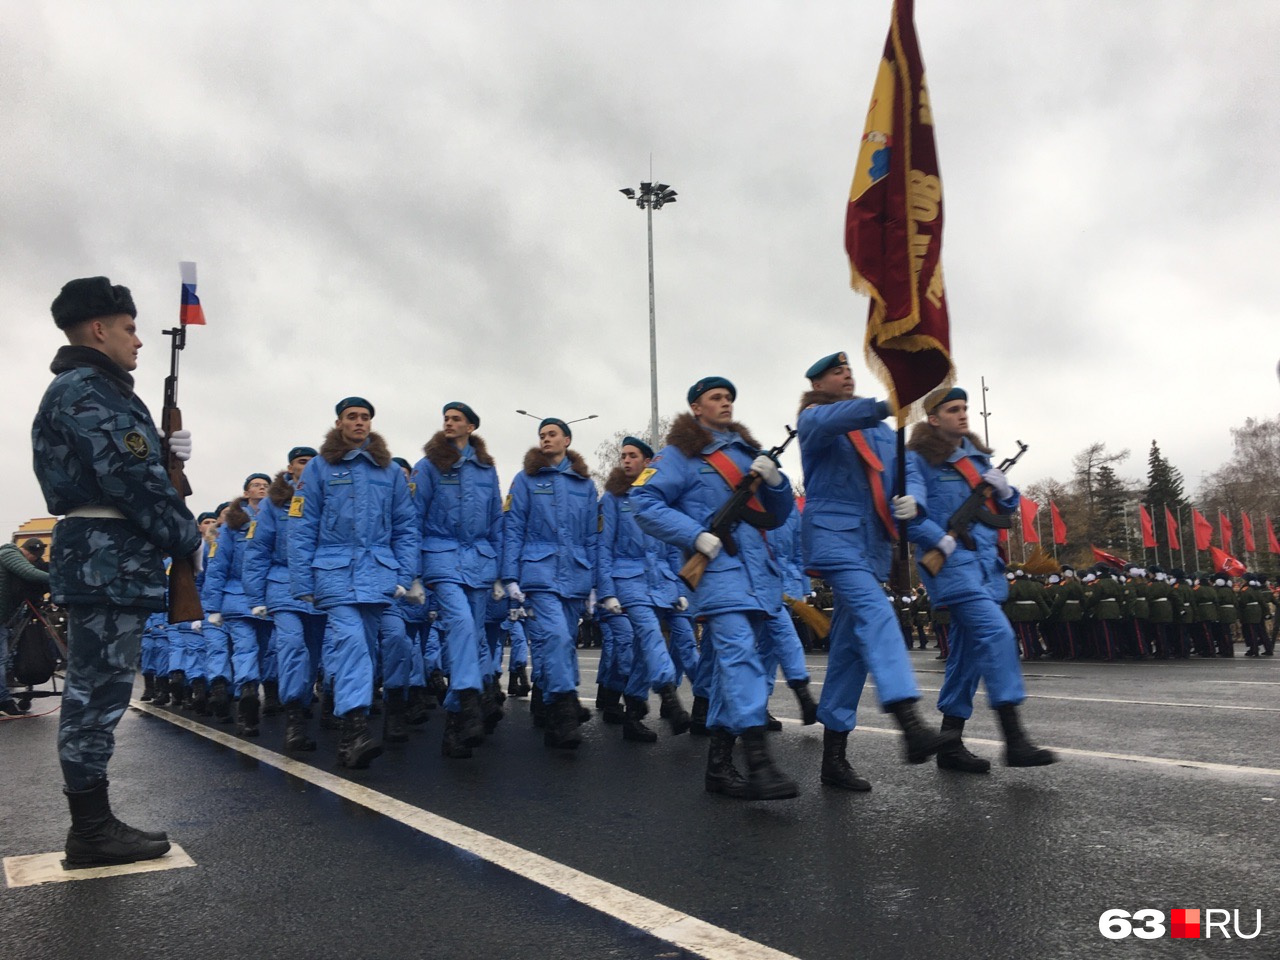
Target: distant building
(41, 528)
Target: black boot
(220, 699)
(395, 728)
(609, 703)
(766, 781)
(920, 743)
(471, 717)
(98, 839)
(490, 705)
(836, 771)
(957, 756)
(247, 711)
(673, 710)
(177, 687)
(200, 697)
(537, 709)
(518, 682)
(295, 729)
(722, 776)
(375, 701)
(808, 706)
(633, 727)
(148, 687)
(161, 697)
(417, 713)
(772, 723)
(271, 704)
(698, 717)
(562, 723)
(328, 719)
(1018, 750)
(497, 688)
(452, 746)
(583, 713)
(357, 748)
(437, 686)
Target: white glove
(417, 592)
(433, 616)
(998, 482)
(514, 592)
(611, 605)
(259, 611)
(947, 545)
(904, 508)
(197, 625)
(708, 544)
(399, 592)
(498, 592)
(197, 559)
(306, 598)
(179, 443)
(591, 604)
(764, 467)
(516, 613)
(682, 604)
(215, 619)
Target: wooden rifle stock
(693, 569)
(184, 599)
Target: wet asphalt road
(929, 864)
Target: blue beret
(463, 409)
(640, 445)
(353, 402)
(297, 452)
(826, 363)
(938, 398)
(710, 383)
(401, 462)
(90, 298)
(564, 427)
(222, 506)
(256, 476)
(206, 516)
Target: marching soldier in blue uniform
(98, 460)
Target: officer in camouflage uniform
(98, 459)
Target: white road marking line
(1252, 683)
(1230, 768)
(1146, 703)
(666, 923)
(40, 868)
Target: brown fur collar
(535, 460)
(237, 515)
(926, 441)
(690, 437)
(281, 490)
(443, 454)
(819, 398)
(619, 484)
(335, 448)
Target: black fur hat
(89, 298)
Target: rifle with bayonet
(734, 510)
(973, 510)
(184, 599)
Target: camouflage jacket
(93, 444)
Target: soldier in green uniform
(1184, 613)
(1139, 610)
(1066, 615)
(1102, 604)
(1206, 622)
(940, 617)
(1228, 616)
(1160, 612)
(1253, 607)
(1025, 608)
(98, 459)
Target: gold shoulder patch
(295, 506)
(253, 528)
(213, 550)
(506, 503)
(645, 474)
(137, 444)
(413, 488)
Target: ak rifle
(974, 509)
(734, 510)
(184, 599)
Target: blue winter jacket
(785, 544)
(632, 566)
(550, 529)
(266, 557)
(675, 502)
(840, 529)
(459, 510)
(223, 591)
(353, 536)
(939, 489)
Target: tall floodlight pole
(650, 197)
(986, 437)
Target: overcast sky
(418, 202)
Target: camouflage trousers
(103, 643)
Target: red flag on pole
(1224, 530)
(1246, 531)
(1273, 545)
(1171, 530)
(1225, 563)
(893, 227)
(1059, 527)
(1148, 528)
(1029, 510)
(1203, 529)
(1108, 558)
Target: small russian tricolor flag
(191, 311)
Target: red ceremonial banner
(1273, 545)
(1223, 562)
(893, 227)
(1224, 530)
(1246, 531)
(1148, 528)
(1108, 558)
(1171, 529)
(1059, 527)
(1029, 509)
(1203, 529)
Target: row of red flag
(1200, 524)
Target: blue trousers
(350, 636)
(617, 651)
(297, 641)
(462, 623)
(552, 629)
(982, 647)
(865, 638)
(684, 647)
(217, 651)
(415, 629)
(651, 666)
(393, 644)
(519, 644)
(739, 694)
(781, 646)
(249, 637)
